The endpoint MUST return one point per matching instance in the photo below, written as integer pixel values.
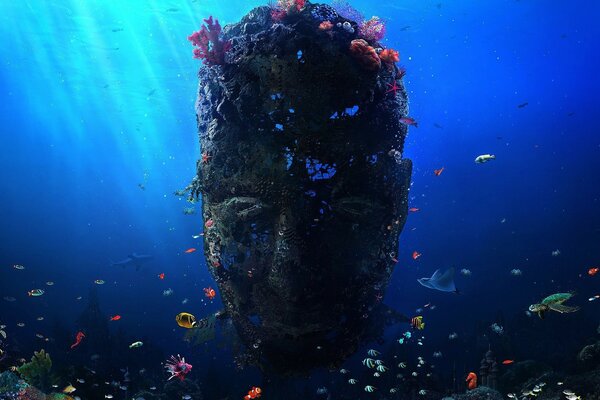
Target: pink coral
(285, 7)
(325, 25)
(373, 29)
(365, 55)
(209, 47)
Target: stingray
(442, 281)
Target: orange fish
(161, 275)
(416, 255)
(253, 393)
(190, 250)
(413, 209)
(593, 271)
(508, 362)
(438, 172)
(115, 318)
(471, 380)
(210, 293)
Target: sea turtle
(554, 303)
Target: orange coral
(365, 55)
(389, 56)
(325, 25)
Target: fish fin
(541, 314)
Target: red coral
(389, 56)
(209, 47)
(365, 55)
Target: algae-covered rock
(590, 355)
(37, 371)
(304, 186)
(9, 382)
(480, 393)
(521, 372)
(176, 389)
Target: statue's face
(305, 197)
(304, 248)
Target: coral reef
(37, 371)
(209, 47)
(9, 382)
(305, 201)
(365, 55)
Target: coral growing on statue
(37, 371)
(303, 183)
(209, 46)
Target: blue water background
(97, 97)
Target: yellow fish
(186, 320)
(69, 389)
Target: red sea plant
(209, 47)
(365, 55)
(373, 29)
(389, 56)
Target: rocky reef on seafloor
(303, 181)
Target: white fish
(555, 253)
(484, 158)
(370, 389)
(352, 381)
(465, 272)
(516, 272)
(453, 336)
(373, 353)
(422, 392)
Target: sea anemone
(365, 55)
(389, 56)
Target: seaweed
(37, 371)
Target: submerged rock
(590, 355)
(480, 393)
(305, 202)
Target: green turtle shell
(557, 298)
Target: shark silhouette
(133, 259)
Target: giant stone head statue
(303, 185)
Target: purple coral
(347, 11)
(373, 29)
(209, 47)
